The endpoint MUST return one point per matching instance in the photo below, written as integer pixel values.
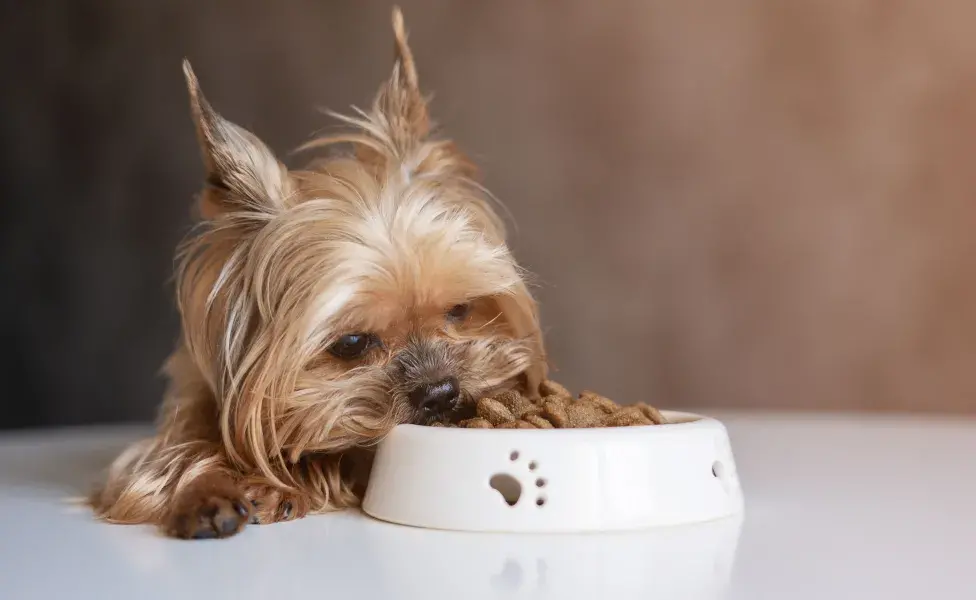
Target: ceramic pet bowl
(557, 480)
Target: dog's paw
(215, 509)
(272, 505)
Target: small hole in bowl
(540, 482)
(506, 485)
(718, 469)
(513, 456)
(540, 501)
(533, 466)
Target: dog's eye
(458, 312)
(352, 345)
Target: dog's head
(375, 288)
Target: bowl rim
(689, 422)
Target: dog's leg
(182, 481)
(324, 483)
(185, 488)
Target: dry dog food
(556, 409)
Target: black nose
(436, 397)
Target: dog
(319, 309)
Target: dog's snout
(436, 397)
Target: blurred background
(749, 203)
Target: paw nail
(286, 509)
(240, 508)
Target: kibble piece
(607, 405)
(557, 399)
(476, 423)
(515, 402)
(538, 421)
(494, 411)
(551, 388)
(653, 414)
(584, 414)
(626, 417)
(520, 424)
(555, 412)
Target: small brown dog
(319, 309)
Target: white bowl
(560, 480)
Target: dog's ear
(394, 136)
(402, 122)
(242, 173)
(400, 100)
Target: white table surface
(857, 507)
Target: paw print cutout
(512, 486)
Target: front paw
(272, 505)
(210, 510)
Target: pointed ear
(242, 173)
(400, 100)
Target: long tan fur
(383, 239)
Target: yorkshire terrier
(320, 308)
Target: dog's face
(325, 306)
